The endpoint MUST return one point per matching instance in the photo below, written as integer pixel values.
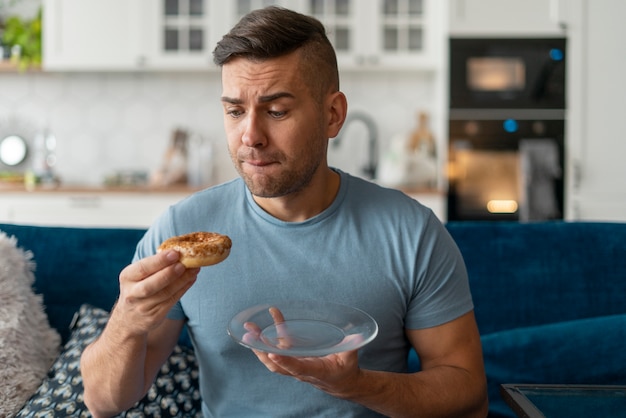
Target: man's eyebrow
(231, 100)
(275, 96)
(262, 99)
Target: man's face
(276, 131)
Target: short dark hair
(273, 32)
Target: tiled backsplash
(107, 122)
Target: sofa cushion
(28, 344)
(586, 351)
(174, 393)
(527, 274)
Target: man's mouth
(257, 163)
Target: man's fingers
(253, 334)
(150, 265)
(282, 333)
(172, 278)
(159, 273)
(155, 282)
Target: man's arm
(452, 381)
(119, 367)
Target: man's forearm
(439, 392)
(113, 372)
(119, 367)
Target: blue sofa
(550, 297)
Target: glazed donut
(199, 249)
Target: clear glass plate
(303, 328)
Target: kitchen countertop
(100, 205)
(15, 186)
(19, 188)
(421, 191)
(12, 188)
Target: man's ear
(337, 107)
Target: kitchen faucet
(370, 169)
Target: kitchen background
(110, 122)
(107, 122)
(113, 120)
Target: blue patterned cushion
(173, 394)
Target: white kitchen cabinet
(181, 34)
(502, 18)
(236, 9)
(112, 35)
(85, 209)
(384, 34)
(91, 34)
(370, 34)
(596, 89)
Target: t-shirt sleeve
(441, 292)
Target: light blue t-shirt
(374, 248)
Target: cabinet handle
(575, 210)
(577, 174)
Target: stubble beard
(293, 177)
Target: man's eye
(235, 113)
(277, 113)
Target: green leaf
(26, 34)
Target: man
(300, 230)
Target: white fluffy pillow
(28, 345)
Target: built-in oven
(506, 129)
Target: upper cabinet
(508, 17)
(370, 34)
(178, 34)
(128, 35)
(181, 34)
(91, 34)
(383, 34)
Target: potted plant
(23, 37)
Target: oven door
(485, 185)
(508, 169)
(507, 73)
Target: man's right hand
(149, 288)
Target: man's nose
(254, 134)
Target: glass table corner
(560, 401)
